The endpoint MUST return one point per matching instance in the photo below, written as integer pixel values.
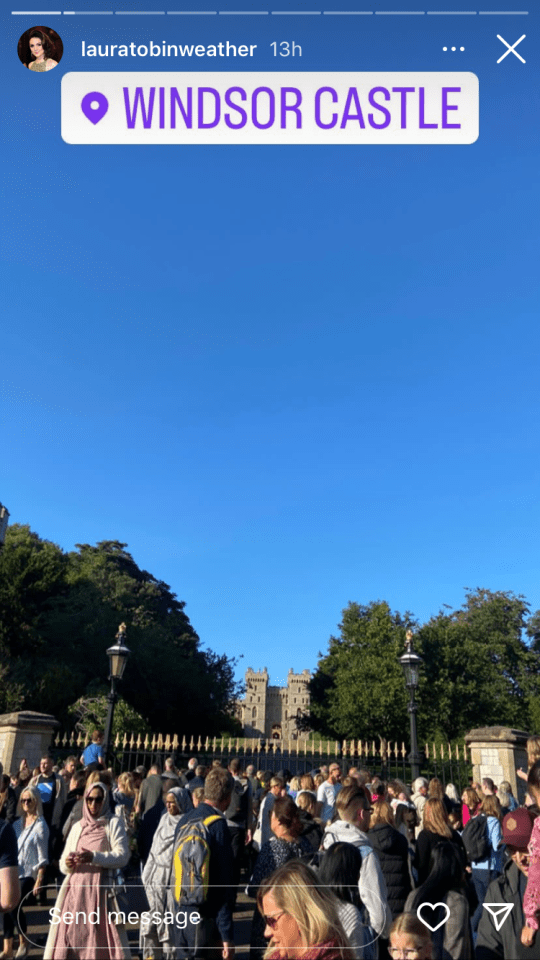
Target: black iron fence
(451, 763)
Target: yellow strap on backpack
(177, 861)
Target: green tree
(358, 690)
(481, 668)
(90, 713)
(478, 668)
(60, 611)
(533, 633)
(32, 581)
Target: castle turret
(271, 711)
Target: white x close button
(511, 48)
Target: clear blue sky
(286, 377)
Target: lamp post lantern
(4, 518)
(410, 663)
(118, 656)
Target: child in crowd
(454, 819)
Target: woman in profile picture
(40, 49)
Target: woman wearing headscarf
(156, 876)
(96, 848)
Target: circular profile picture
(40, 49)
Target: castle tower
(297, 699)
(254, 704)
(270, 711)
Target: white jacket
(262, 830)
(113, 859)
(371, 884)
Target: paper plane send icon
(500, 912)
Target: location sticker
(94, 106)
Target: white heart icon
(432, 906)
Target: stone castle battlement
(270, 711)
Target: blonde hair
(505, 794)
(451, 791)
(125, 784)
(297, 893)
(307, 801)
(436, 818)
(533, 750)
(295, 783)
(408, 923)
(318, 779)
(307, 782)
(100, 776)
(34, 793)
(382, 813)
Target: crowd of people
(336, 866)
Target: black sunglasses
(272, 921)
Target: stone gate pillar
(497, 752)
(25, 734)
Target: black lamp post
(118, 657)
(4, 517)
(410, 662)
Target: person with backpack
(202, 876)
(470, 804)
(436, 830)
(482, 838)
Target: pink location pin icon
(94, 106)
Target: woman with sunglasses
(286, 843)
(32, 835)
(97, 846)
(301, 917)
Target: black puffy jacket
(392, 850)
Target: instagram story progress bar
(270, 108)
(365, 11)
